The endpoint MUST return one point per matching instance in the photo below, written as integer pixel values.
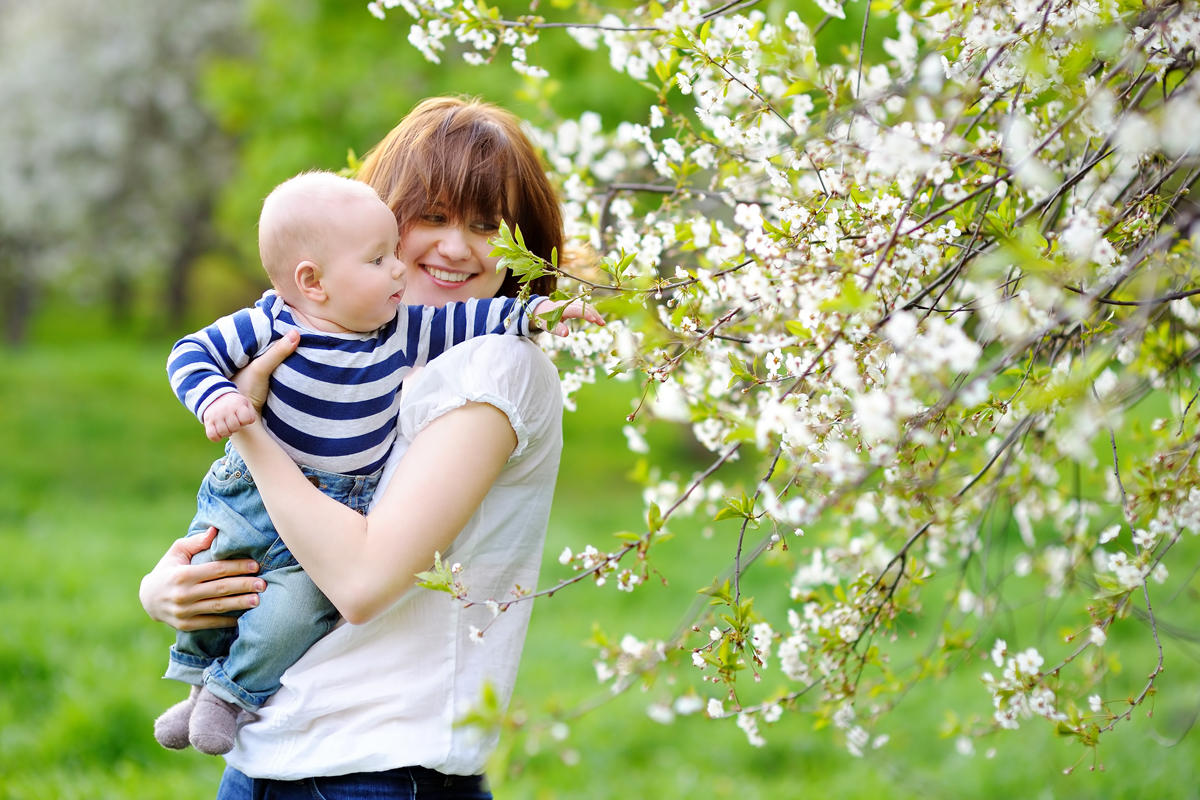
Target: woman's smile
(449, 261)
(446, 275)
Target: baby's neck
(318, 323)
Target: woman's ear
(308, 281)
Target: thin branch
(737, 558)
(1166, 298)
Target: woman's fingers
(237, 596)
(253, 380)
(192, 606)
(188, 596)
(196, 588)
(212, 571)
(184, 549)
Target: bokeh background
(137, 139)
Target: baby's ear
(308, 281)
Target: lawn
(99, 474)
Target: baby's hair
(294, 223)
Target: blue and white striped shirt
(332, 404)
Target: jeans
(243, 665)
(405, 783)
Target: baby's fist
(227, 415)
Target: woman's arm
(364, 564)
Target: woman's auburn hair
(469, 160)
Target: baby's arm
(441, 328)
(430, 331)
(200, 365)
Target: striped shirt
(332, 404)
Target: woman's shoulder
(508, 372)
(494, 360)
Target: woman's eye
(434, 219)
(485, 226)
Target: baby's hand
(576, 309)
(227, 415)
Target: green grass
(99, 471)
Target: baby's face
(362, 274)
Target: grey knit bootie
(213, 725)
(171, 729)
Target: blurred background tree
(109, 163)
(138, 138)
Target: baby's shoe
(213, 725)
(171, 729)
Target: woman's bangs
(470, 174)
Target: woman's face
(449, 262)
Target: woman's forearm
(295, 507)
(364, 564)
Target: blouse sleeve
(507, 372)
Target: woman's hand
(192, 598)
(253, 380)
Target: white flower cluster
(918, 288)
(1020, 691)
(629, 659)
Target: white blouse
(386, 694)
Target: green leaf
(796, 329)
(740, 371)
(486, 713)
(439, 579)
(554, 316)
(1063, 730)
(849, 300)
(654, 518)
(509, 246)
(353, 164)
(802, 85)
(720, 592)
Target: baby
(330, 246)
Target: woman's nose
(453, 243)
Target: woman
(370, 709)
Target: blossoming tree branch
(926, 288)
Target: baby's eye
(378, 260)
